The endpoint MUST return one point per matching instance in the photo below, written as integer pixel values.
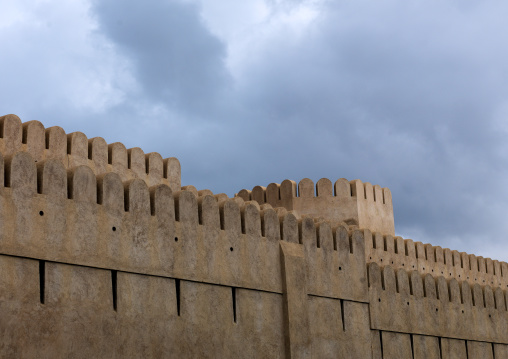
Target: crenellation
(205, 192)
(272, 193)
(118, 157)
(221, 197)
(56, 144)
(258, 194)
(251, 219)
(11, 133)
(270, 224)
(353, 202)
(435, 310)
(325, 236)
(52, 179)
(102, 251)
(98, 153)
(75, 149)
(289, 228)
(34, 138)
(433, 259)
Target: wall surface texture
(103, 254)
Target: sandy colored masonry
(103, 254)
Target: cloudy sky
(408, 94)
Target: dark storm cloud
(175, 59)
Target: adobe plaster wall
(118, 263)
(352, 202)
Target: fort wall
(110, 265)
(352, 202)
(427, 259)
(75, 149)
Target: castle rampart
(75, 149)
(110, 262)
(352, 202)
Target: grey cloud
(408, 98)
(176, 60)
(408, 95)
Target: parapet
(352, 202)
(75, 149)
(435, 306)
(406, 254)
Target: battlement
(428, 259)
(353, 202)
(73, 216)
(431, 306)
(75, 149)
(104, 254)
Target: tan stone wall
(148, 318)
(352, 202)
(109, 265)
(75, 149)
(427, 259)
(432, 306)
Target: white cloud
(57, 60)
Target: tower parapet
(352, 202)
(75, 149)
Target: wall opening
(114, 275)
(233, 297)
(42, 281)
(177, 288)
(381, 343)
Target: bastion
(104, 254)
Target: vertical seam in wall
(397, 283)
(342, 314)
(412, 346)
